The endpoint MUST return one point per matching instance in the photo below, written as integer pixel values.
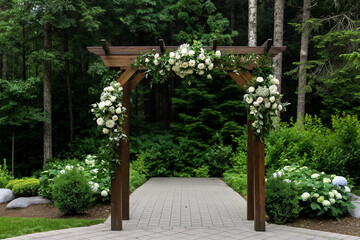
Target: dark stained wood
(137, 50)
(125, 154)
(136, 80)
(259, 185)
(116, 206)
(267, 44)
(162, 45)
(125, 76)
(276, 50)
(250, 170)
(105, 45)
(214, 44)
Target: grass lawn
(11, 227)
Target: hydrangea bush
(109, 112)
(320, 193)
(263, 99)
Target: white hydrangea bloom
(305, 196)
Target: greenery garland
(262, 97)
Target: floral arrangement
(263, 100)
(319, 193)
(184, 61)
(109, 112)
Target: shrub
(5, 176)
(71, 192)
(24, 187)
(316, 193)
(202, 172)
(237, 181)
(136, 179)
(281, 200)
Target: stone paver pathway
(186, 208)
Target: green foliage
(315, 190)
(202, 172)
(281, 200)
(72, 193)
(24, 187)
(136, 179)
(237, 181)
(12, 226)
(5, 175)
(334, 149)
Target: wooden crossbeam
(241, 79)
(105, 46)
(126, 75)
(162, 45)
(136, 80)
(267, 44)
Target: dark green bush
(237, 181)
(281, 200)
(136, 179)
(24, 187)
(72, 193)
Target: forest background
(176, 129)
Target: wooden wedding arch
(121, 57)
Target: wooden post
(259, 182)
(125, 154)
(116, 208)
(250, 170)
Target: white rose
(209, 76)
(117, 84)
(201, 72)
(191, 53)
(267, 104)
(273, 89)
(114, 118)
(156, 62)
(256, 104)
(118, 110)
(259, 79)
(100, 121)
(105, 131)
(113, 98)
(272, 99)
(201, 66)
(274, 106)
(202, 56)
(177, 56)
(184, 51)
(176, 68)
(92, 110)
(249, 100)
(208, 61)
(259, 99)
(110, 89)
(218, 53)
(184, 65)
(156, 55)
(104, 193)
(280, 107)
(190, 71)
(211, 66)
(147, 60)
(171, 61)
(108, 103)
(251, 89)
(171, 54)
(110, 123)
(101, 105)
(275, 81)
(192, 63)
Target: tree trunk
(23, 52)
(13, 152)
(303, 58)
(47, 96)
(68, 86)
(278, 37)
(252, 36)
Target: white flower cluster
(109, 112)
(263, 100)
(187, 60)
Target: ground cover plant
(11, 227)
